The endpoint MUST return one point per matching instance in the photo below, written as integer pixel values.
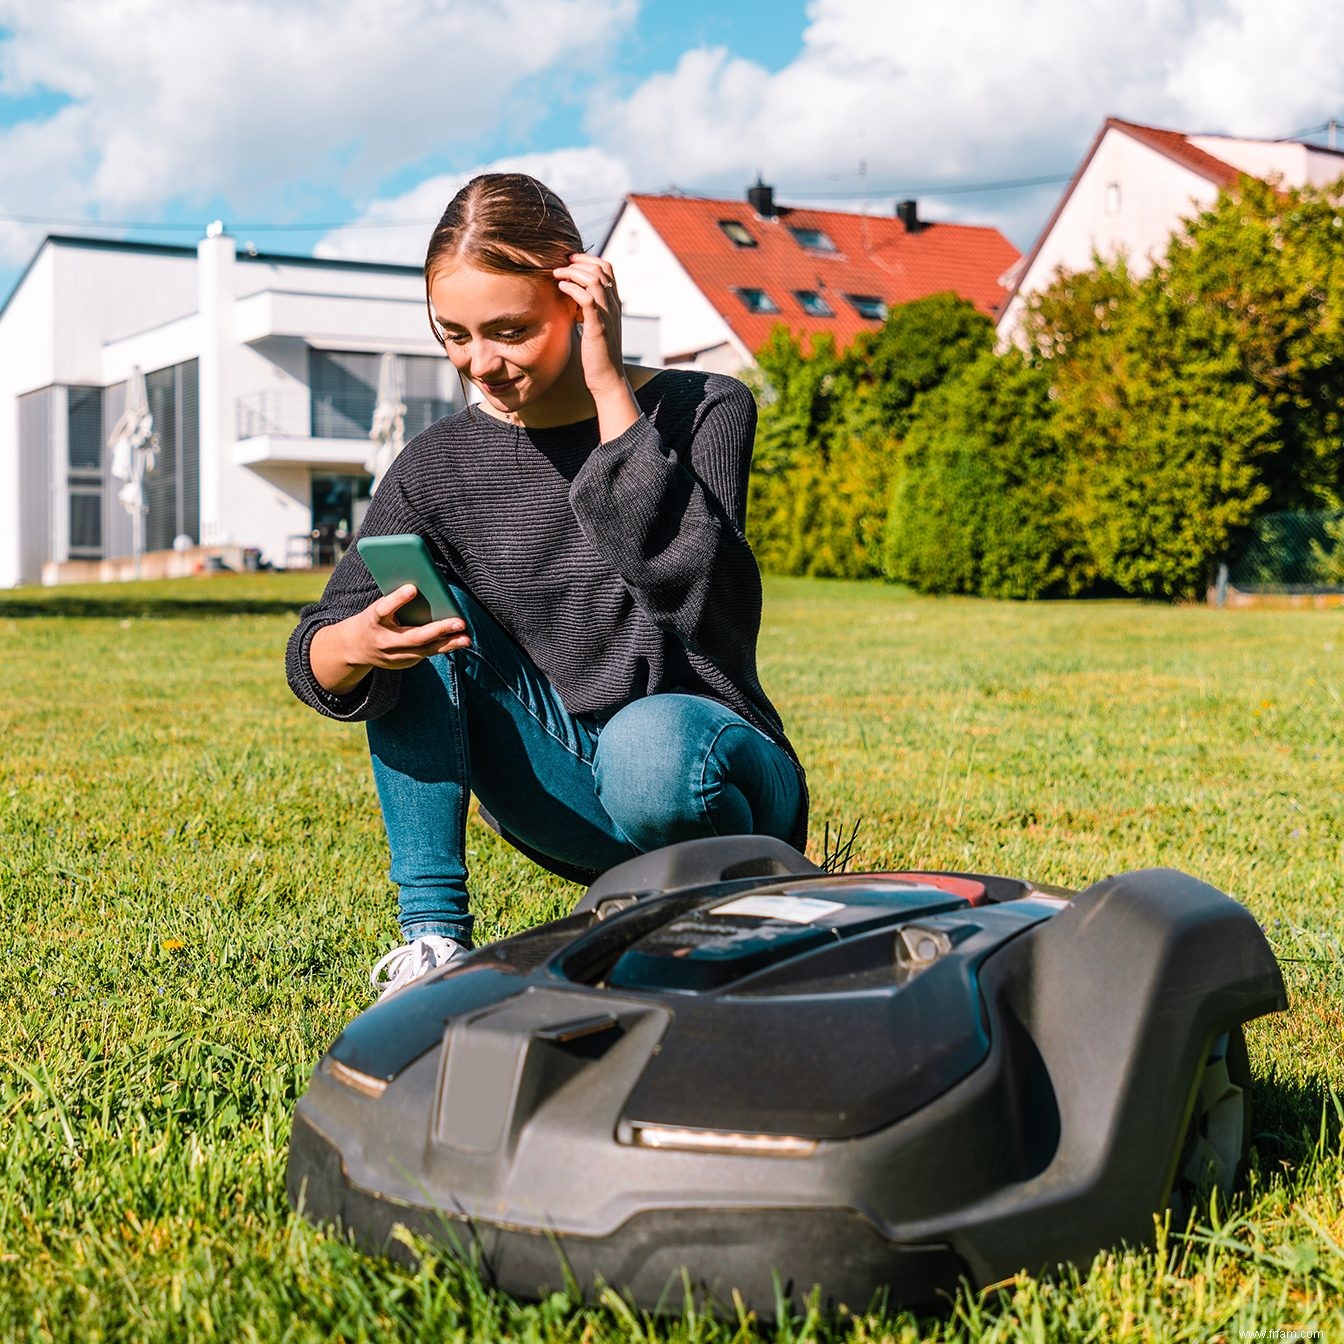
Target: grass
(193, 885)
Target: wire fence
(1292, 553)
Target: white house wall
(652, 280)
(1294, 164)
(1155, 193)
(106, 295)
(159, 348)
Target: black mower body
(729, 1062)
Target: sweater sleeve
(350, 589)
(670, 517)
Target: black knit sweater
(621, 569)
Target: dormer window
(756, 300)
(868, 305)
(813, 304)
(813, 239)
(737, 234)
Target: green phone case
(404, 558)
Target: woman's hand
(342, 654)
(591, 283)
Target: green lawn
(193, 886)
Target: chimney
(908, 213)
(762, 199)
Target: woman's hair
(504, 222)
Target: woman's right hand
(342, 654)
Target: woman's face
(511, 335)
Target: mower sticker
(794, 909)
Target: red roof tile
(875, 255)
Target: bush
(829, 432)
(975, 504)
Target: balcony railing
(289, 413)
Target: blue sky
(341, 127)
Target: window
(813, 304)
(868, 305)
(84, 458)
(173, 488)
(85, 410)
(756, 300)
(345, 390)
(813, 239)
(1112, 198)
(738, 234)
(86, 523)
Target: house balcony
(336, 321)
(290, 427)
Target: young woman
(601, 697)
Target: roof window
(756, 300)
(868, 305)
(813, 304)
(737, 234)
(812, 239)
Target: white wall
(104, 295)
(252, 275)
(1297, 165)
(652, 280)
(1154, 194)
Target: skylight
(813, 239)
(813, 304)
(756, 300)
(738, 234)
(868, 305)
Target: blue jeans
(585, 790)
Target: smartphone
(404, 558)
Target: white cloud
(984, 90)
(259, 100)
(590, 182)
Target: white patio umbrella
(389, 420)
(135, 448)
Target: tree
(975, 499)
(829, 430)
(918, 348)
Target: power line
(264, 226)
(865, 192)
(258, 226)
(937, 189)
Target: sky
(342, 127)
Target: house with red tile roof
(720, 274)
(1133, 189)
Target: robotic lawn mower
(728, 1062)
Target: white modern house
(1134, 188)
(262, 375)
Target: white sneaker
(412, 961)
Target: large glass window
(86, 523)
(344, 387)
(84, 463)
(339, 503)
(173, 488)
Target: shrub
(975, 503)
